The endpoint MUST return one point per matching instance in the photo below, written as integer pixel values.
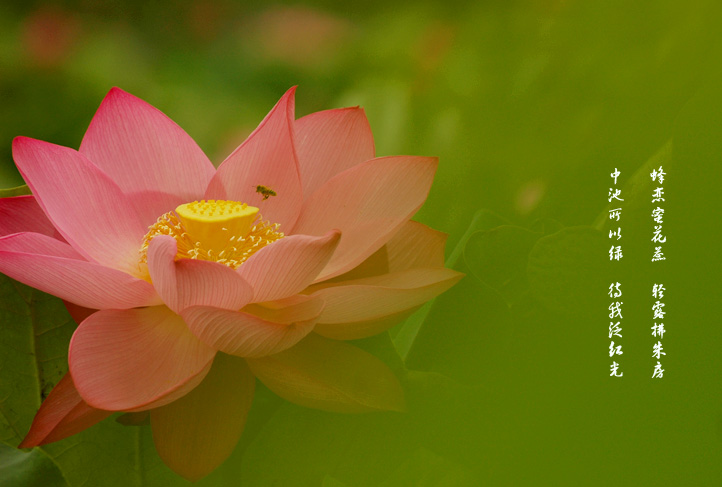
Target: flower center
(227, 232)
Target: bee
(265, 191)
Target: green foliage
(17, 191)
(33, 468)
(569, 271)
(33, 354)
(33, 358)
(332, 482)
(424, 468)
(498, 256)
(405, 336)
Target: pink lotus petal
(36, 243)
(350, 304)
(374, 265)
(377, 296)
(23, 214)
(196, 433)
(368, 203)
(56, 268)
(266, 158)
(187, 282)
(258, 330)
(413, 245)
(149, 205)
(329, 375)
(131, 360)
(142, 149)
(84, 204)
(329, 142)
(363, 328)
(287, 266)
(62, 414)
(292, 309)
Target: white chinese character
(615, 175)
(658, 330)
(617, 233)
(615, 350)
(657, 237)
(658, 174)
(614, 194)
(615, 214)
(658, 312)
(616, 309)
(657, 350)
(615, 253)
(658, 214)
(658, 371)
(658, 291)
(615, 329)
(614, 291)
(657, 195)
(614, 369)
(658, 255)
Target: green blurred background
(529, 105)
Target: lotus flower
(194, 292)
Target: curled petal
(368, 203)
(125, 360)
(142, 149)
(56, 268)
(356, 309)
(196, 433)
(189, 282)
(329, 142)
(288, 266)
(62, 414)
(85, 205)
(38, 244)
(413, 245)
(23, 214)
(354, 330)
(257, 330)
(330, 375)
(267, 158)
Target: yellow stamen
(214, 221)
(227, 232)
